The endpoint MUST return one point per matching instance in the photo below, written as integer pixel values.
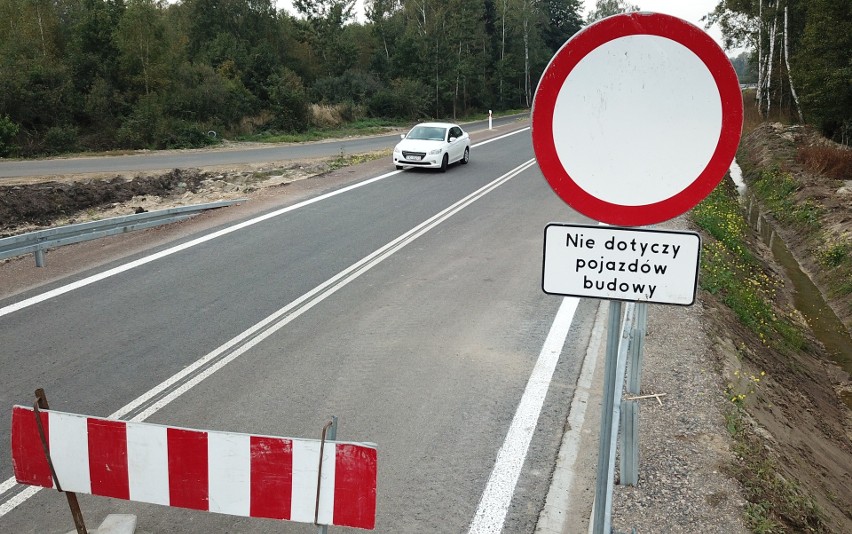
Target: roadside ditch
(775, 270)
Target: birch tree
(608, 8)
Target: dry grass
(326, 116)
(751, 115)
(252, 123)
(831, 161)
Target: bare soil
(28, 204)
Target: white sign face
(645, 119)
(611, 263)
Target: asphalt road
(425, 349)
(153, 161)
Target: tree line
(107, 74)
(801, 57)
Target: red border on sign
(578, 47)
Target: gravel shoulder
(684, 446)
(696, 472)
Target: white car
(433, 145)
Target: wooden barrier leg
(76, 513)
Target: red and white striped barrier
(228, 473)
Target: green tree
(823, 64)
(799, 49)
(288, 101)
(140, 40)
(564, 19)
(8, 136)
(744, 67)
(323, 32)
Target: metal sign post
(630, 408)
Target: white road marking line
(203, 239)
(499, 137)
(495, 500)
(178, 248)
(271, 324)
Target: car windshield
(429, 133)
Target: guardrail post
(603, 485)
(629, 443)
(634, 368)
(39, 257)
(630, 408)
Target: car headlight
(436, 151)
(396, 149)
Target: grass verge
(731, 272)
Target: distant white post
(490, 125)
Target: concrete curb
(568, 506)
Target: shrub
(183, 134)
(406, 98)
(288, 101)
(8, 134)
(60, 139)
(351, 86)
(139, 130)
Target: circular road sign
(636, 119)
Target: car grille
(407, 155)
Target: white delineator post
(490, 124)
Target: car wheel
(466, 157)
(445, 162)
(399, 167)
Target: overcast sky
(689, 10)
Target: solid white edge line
(203, 239)
(477, 145)
(341, 279)
(495, 501)
(178, 248)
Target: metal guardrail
(38, 242)
(625, 345)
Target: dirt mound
(35, 203)
(43, 203)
